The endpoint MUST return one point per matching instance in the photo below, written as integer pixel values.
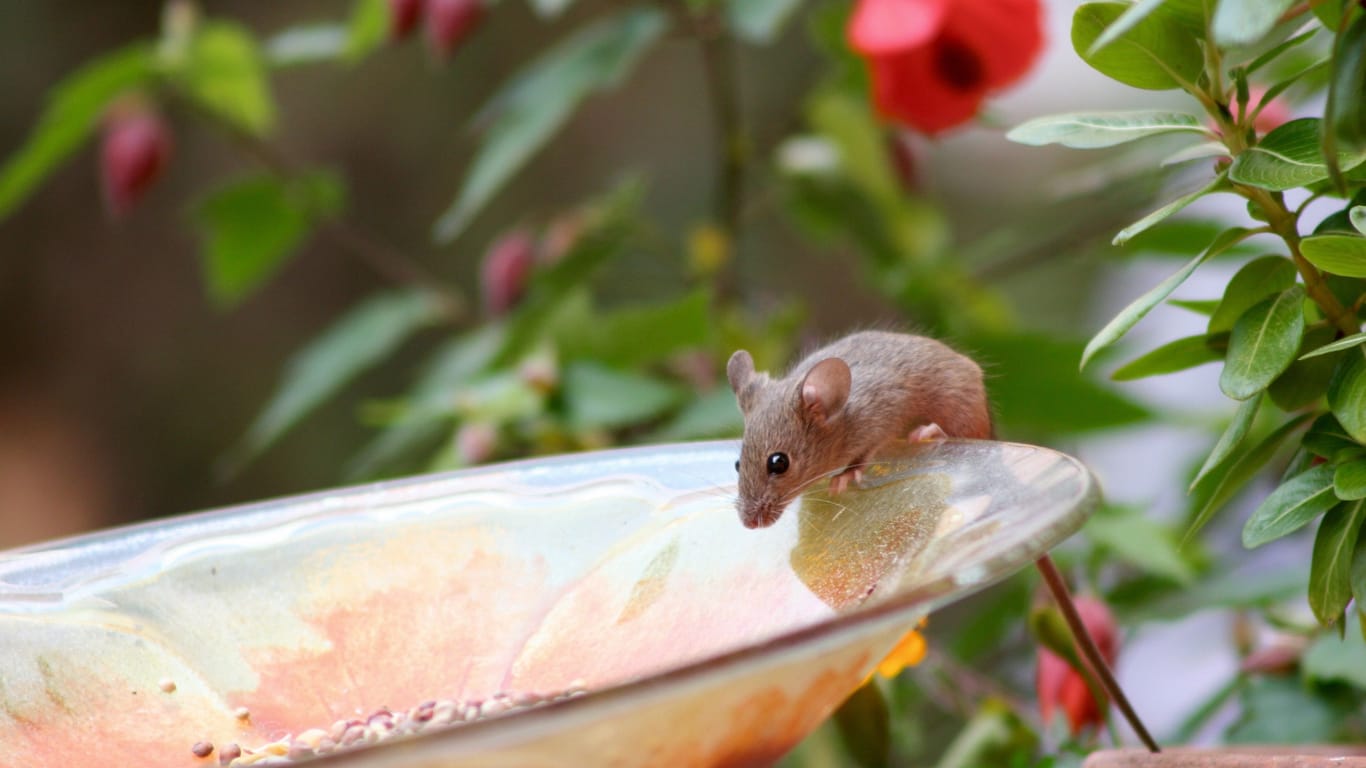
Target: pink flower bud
(403, 18)
(475, 443)
(506, 269)
(1059, 686)
(449, 22)
(135, 147)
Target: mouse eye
(737, 465)
(777, 463)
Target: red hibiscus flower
(1059, 686)
(934, 61)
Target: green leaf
(1155, 53)
(1231, 438)
(1219, 184)
(1204, 307)
(1340, 254)
(1349, 480)
(1357, 215)
(251, 226)
(1255, 281)
(1288, 157)
(1141, 541)
(1279, 710)
(1243, 22)
(1040, 391)
(1130, 315)
(1347, 393)
(713, 415)
(1226, 587)
(1358, 577)
(635, 336)
(597, 397)
(1174, 356)
(1330, 585)
(1291, 507)
(760, 21)
(1080, 130)
(367, 28)
(864, 724)
(1176, 236)
(528, 111)
(73, 111)
(1348, 342)
(1345, 112)
(1132, 15)
(1328, 439)
(363, 337)
(1199, 151)
(224, 71)
(1331, 658)
(1264, 342)
(1222, 484)
(1305, 381)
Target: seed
(229, 753)
(167, 685)
(242, 713)
(202, 749)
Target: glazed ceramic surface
(700, 642)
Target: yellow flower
(909, 651)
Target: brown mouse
(842, 403)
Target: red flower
(1059, 686)
(934, 61)
(134, 149)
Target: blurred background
(126, 389)
(121, 383)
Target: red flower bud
(135, 147)
(403, 18)
(1059, 686)
(506, 270)
(449, 22)
(933, 62)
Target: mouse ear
(824, 389)
(740, 372)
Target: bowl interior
(625, 573)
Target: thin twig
(1090, 654)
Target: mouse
(833, 411)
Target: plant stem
(723, 93)
(1286, 226)
(1090, 654)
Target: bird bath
(624, 573)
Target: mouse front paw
(840, 483)
(926, 433)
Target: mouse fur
(839, 405)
